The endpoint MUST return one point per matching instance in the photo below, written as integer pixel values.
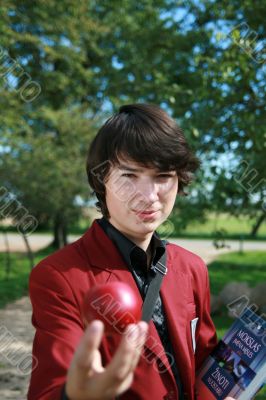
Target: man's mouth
(146, 213)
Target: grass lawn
(234, 227)
(15, 285)
(247, 267)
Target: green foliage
(44, 141)
(231, 104)
(47, 171)
(192, 58)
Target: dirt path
(16, 336)
(16, 332)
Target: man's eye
(128, 175)
(165, 176)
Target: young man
(137, 164)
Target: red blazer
(57, 288)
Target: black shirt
(136, 260)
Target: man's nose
(147, 192)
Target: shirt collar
(133, 255)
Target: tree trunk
(29, 251)
(8, 260)
(60, 231)
(257, 225)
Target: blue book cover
(237, 366)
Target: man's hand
(87, 379)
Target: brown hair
(143, 133)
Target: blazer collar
(135, 257)
(100, 251)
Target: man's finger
(90, 342)
(128, 353)
(139, 345)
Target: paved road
(204, 248)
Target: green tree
(44, 138)
(48, 171)
(89, 57)
(230, 115)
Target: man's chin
(147, 226)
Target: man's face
(139, 199)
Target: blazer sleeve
(59, 327)
(206, 338)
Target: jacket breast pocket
(191, 311)
(193, 326)
(192, 321)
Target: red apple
(114, 303)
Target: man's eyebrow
(127, 168)
(132, 169)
